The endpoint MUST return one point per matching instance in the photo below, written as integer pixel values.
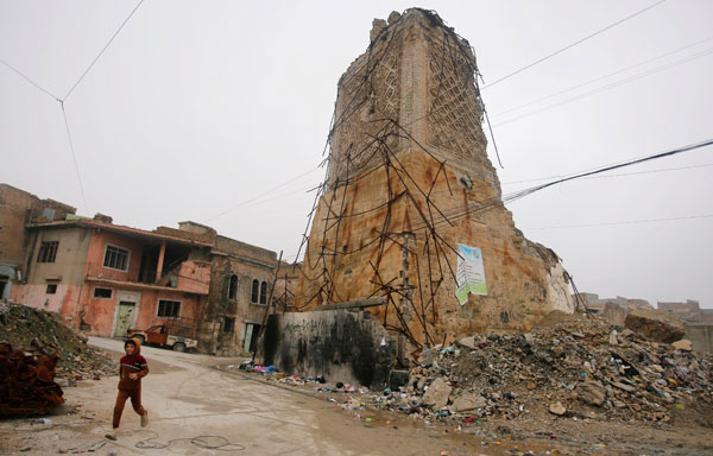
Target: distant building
(689, 311)
(612, 309)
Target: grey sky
(199, 106)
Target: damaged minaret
(411, 211)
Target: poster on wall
(470, 275)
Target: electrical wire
(494, 202)
(571, 45)
(613, 85)
(636, 173)
(29, 80)
(106, 46)
(261, 195)
(74, 156)
(624, 222)
(608, 75)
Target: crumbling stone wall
(248, 263)
(409, 179)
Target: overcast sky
(199, 110)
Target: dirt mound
(40, 332)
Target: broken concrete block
(468, 401)
(467, 342)
(591, 392)
(558, 409)
(655, 325)
(683, 345)
(437, 394)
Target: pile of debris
(41, 333)
(27, 384)
(579, 367)
(576, 367)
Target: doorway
(125, 319)
(252, 330)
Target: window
(233, 287)
(169, 309)
(51, 288)
(48, 252)
(255, 291)
(228, 325)
(116, 258)
(263, 293)
(102, 293)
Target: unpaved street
(196, 409)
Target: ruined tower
(411, 206)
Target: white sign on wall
(470, 274)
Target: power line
(29, 80)
(569, 46)
(636, 173)
(624, 222)
(106, 46)
(260, 195)
(608, 87)
(61, 101)
(608, 75)
(494, 202)
(74, 156)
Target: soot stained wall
(344, 346)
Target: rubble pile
(27, 384)
(40, 332)
(579, 367)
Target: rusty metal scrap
(27, 384)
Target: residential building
(104, 278)
(17, 208)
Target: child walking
(133, 368)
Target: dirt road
(196, 409)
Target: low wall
(342, 345)
(701, 335)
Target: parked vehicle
(163, 336)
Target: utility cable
(74, 155)
(624, 222)
(471, 209)
(260, 195)
(571, 45)
(608, 75)
(613, 85)
(61, 101)
(106, 46)
(635, 173)
(29, 80)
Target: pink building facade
(104, 278)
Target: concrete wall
(701, 335)
(67, 271)
(17, 208)
(344, 346)
(97, 249)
